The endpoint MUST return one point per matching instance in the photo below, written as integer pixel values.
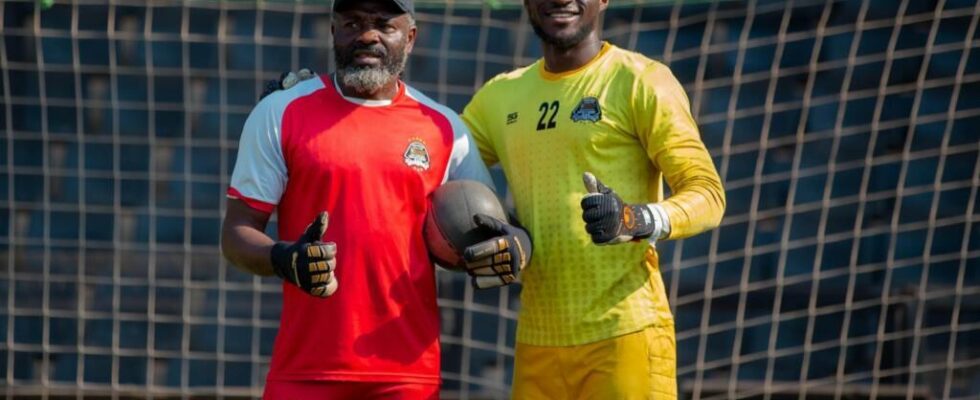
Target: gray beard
(370, 79)
(364, 80)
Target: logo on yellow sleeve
(417, 155)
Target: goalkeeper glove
(609, 220)
(286, 80)
(308, 262)
(497, 261)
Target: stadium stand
(120, 146)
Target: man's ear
(410, 39)
(603, 4)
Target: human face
(564, 23)
(372, 40)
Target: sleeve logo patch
(587, 110)
(417, 155)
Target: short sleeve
(465, 162)
(259, 177)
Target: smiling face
(564, 23)
(372, 40)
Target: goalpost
(847, 134)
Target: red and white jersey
(372, 166)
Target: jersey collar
(553, 76)
(367, 102)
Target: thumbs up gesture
(308, 262)
(609, 220)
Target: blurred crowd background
(847, 133)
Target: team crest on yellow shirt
(587, 110)
(417, 155)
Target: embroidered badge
(587, 110)
(417, 155)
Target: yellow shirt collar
(552, 76)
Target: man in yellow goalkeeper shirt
(594, 320)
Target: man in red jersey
(357, 152)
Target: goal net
(847, 134)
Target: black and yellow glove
(496, 262)
(609, 220)
(308, 262)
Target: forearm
(697, 201)
(243, 238)
(697, 206)
(248, 249)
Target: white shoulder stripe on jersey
(260, 170)
(464, 161)
(461, 146)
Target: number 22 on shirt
(548, 112)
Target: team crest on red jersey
(417, 155)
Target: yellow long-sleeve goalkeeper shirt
(626, 119)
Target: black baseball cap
(404, 5)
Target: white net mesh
(847, 265)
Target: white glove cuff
(661, 222)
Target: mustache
(376, 50)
